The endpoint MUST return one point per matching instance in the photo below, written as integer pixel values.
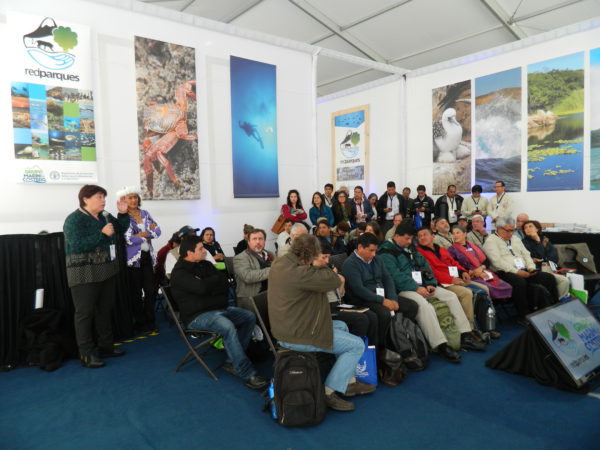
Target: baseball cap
(186, 229)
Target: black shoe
(447, 353)
(256, 382)
(113, 352)
(414, 363)
(338, 404)
(228, 367)
(470, 342)
(91, 361)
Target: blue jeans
(346, 347)
(236, 326)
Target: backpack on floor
(446, 321)
(298, 392)
(483, 303)
(405, 336)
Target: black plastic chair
(338, 260)
(206, 337)
(262, 299)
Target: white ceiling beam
(188, 4)
(546, 10)
(503, 17)
(324, 20)
(375, 14)
(235, 14)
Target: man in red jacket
(448, 272)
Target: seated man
(442, 237)
(251, 268)
(200, 290)
(413, 279)
(512, 262)
(301, 320)
(296, 230)
(397, 220)
(172, 256)
(335, 240)
(449, 273)
(478, 234)
(369, 284)
(521, 219)
(283, 242)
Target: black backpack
(405, 336)
(299, 395)
(482, 303)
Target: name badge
(453, 271)
(487, 275)
(113, 252)
(380, 291)
(469, 249)
(519, 264)
(418, 277)
(422, 214)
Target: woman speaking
(90, 248)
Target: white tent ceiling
(406, 33)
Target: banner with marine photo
(555, 97)
(498, 130)
(167, 120)
(52, 100)
(254, 128)
(350, 147)
(451, 108)
(595, 120)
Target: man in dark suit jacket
(422, 207)
(361, 208)
(389, 204)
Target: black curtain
(29, 262)
(529, 355)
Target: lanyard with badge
(104, 221)
(417, 276)
(452, 213)
(519, 264)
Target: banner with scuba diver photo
(350, 146)
(254, 128)
(52, 101)
(167, 120)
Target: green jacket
(400, 264)
(297, 298)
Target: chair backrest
(576, 256)
(259, 304)
(338, 260)
(172, 307)
(229, 264)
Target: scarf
(475, 258)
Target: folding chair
(338, 260)
(206, 337)
(262, 297)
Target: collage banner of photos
(52, 101)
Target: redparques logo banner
(52, 100)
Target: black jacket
(426, 203)
(442, 206)
(382, 204)
(197, 288)
(541, 250)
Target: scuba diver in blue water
(251, 131)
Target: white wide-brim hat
(128, 190)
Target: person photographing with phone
(91, 260)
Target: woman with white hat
(140, 259)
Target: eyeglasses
(510, 230)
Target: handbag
(391, 367)
(366, 368)
(278, 225)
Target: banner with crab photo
(167, 120)
(53, 124)
(350, 146)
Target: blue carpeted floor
(139, 402)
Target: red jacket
(440, 264)
(287, 213)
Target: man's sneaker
(256, 382)
(338, 404)
(228, 367)
(358, 388)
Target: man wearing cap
(475, 203)
(478, 234)
(422, 207)
(389, 204)
(173, 255)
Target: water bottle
(272, 397)
(490, 319)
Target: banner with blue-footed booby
(167, 120)
(52, 100)
(595, 120)
(498, 130)
(555, 124)
(254, 128)
(452, 137)
(350, 146)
